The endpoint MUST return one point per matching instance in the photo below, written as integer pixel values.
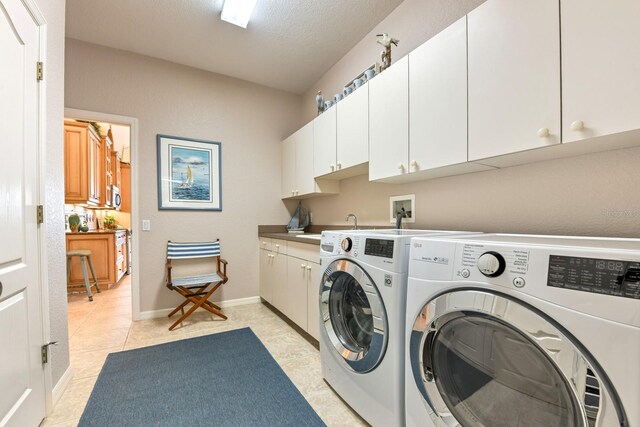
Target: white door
(305, 182)
(324, 143)
(353, 129)
(288, 167)
(22, 397)
(600, 67)
(514, 76)
(438, 100)
(389, 122)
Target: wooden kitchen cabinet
(389, 122)
(108, 254)
(600, 68)
(513, 76)
(82, 164)
(297, 167)
(106, 171)
(125, 189)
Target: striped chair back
(193, 250)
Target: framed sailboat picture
(189, 174)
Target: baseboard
(154, 314)
(61, 386)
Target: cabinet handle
(578, 125)
(401, 167)
(264, 243)
(277, 246)
(296, 192)
(414, 164)
(339, 165)
(333, 168)
(302, 266)
(293, 193)
(308, 268)
(543, 132)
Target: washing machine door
(485, 359)
(353, 315)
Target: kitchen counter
(115, 230)
(280, 232)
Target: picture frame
(408, 202)
(189, 174)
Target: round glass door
(481, 359)
(353, 315)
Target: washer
(512, 330)
(362, 303)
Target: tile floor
(104, 326)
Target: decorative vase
(74, 222)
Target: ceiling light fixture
(237, 12)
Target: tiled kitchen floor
(104, 326)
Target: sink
(309, 236)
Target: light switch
(146, 225)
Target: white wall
(54, 14)
(250, 121)
(587, 195)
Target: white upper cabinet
(600, 67)
(438, 100)
(297, 167)
(389, 122)
(288, 167)
(324, 142)
(353, 129)
(514, 76)
(305, 182)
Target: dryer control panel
(601, 276)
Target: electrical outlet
(146, 225)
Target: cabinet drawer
(304, 251)
(273, 245)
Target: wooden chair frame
(198, 294)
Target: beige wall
(413, 22)
(250, 121)
(54, 15)
(589, 195)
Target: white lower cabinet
(290, 279)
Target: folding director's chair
(194, 288)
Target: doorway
(105, 211)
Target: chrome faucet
(355, 220)
(401, 214)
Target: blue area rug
(225, 379)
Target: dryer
(506, 330)
(362, 303)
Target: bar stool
(83, 253)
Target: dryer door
(485, 359)
(353, 315)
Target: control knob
(346, 244)
(491, 264)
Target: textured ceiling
(289, 44)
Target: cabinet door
(102, 247)
(389, 121)
(106, 173)
(288, 167)
(266, 290)
(600, 67)
(514, 76)
(313, 300)
(277, 280)
(125, 190)
(295, 307)
(438, 100)
(95, 168)
(353, 129)
(305, 181)
(324, 143)
(76, 164)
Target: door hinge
(40, 214)
(44, 351)
(40, 72)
